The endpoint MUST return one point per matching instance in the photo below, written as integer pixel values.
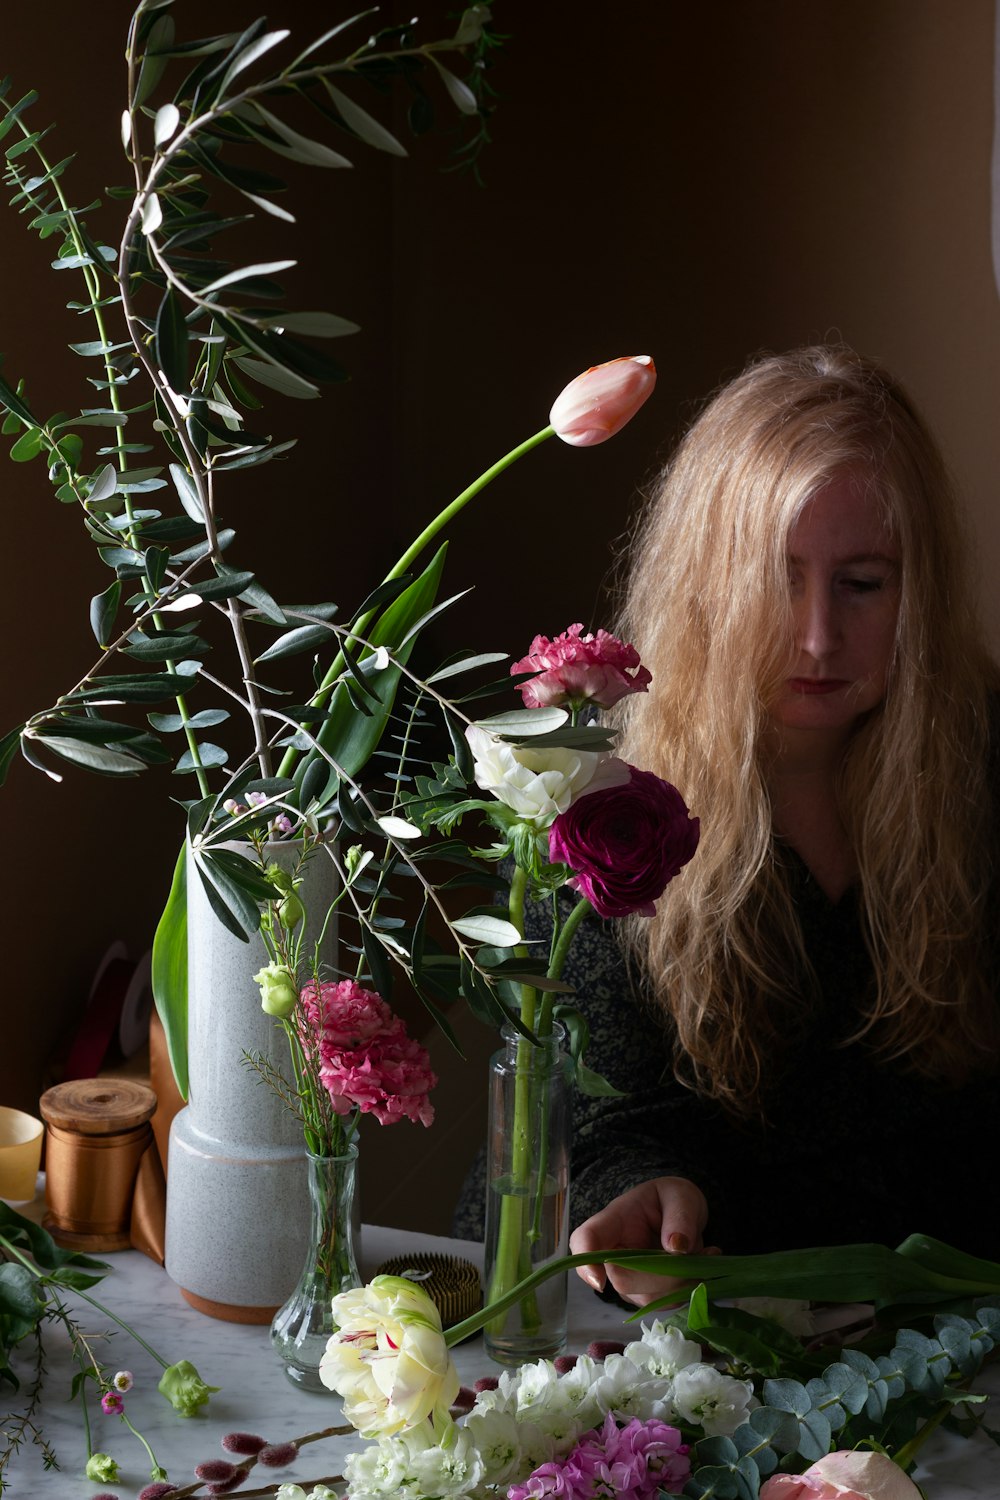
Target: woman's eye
(863, 585)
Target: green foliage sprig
(192, 335)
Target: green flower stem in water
(520, 1210)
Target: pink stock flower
(625, 844)
(598, 403)
(367, 1061)
(847, 1475)
(636, 1462)
(574, 669)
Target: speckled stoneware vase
(237, 1196)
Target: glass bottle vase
(301, 1329)
(527, 1193)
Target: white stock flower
(540, 784)
(388, 1358)
(497, 1435)
(378, 1470)
(628, 1390)
(663, 1351)
(447, 1469)
(718, 1403)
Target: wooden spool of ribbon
(98, 1130)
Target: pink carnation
(575, 669)
(367, 1061)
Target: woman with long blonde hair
(806, 1033)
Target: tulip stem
(410, 556)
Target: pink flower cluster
(635, 1462)
(575, 669)
(367, 1061)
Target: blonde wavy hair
(707, 605)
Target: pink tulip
(598, 403)
(857, 1475)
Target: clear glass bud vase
(527, 1199)
(301, 1329)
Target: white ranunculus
(388, 1358)
(702, 1394)
(540, 784)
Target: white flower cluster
(535, 1415)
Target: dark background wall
(698, 182)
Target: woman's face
(844, 575)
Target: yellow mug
(20, 1153)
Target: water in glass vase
(537, 1228)
(302, 1328)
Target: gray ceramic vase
(238, 1216)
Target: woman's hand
(666, 1213)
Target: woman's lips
(808, 686)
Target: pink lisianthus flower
(598, 403)
(854, 1475)
(367, 1060)
(625, 844)
(574, 669)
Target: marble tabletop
(256, 1396)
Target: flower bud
(598, 403)
(291, 911)
(102, 1468)
(277, 991)
(184, 1388)
(279, 878)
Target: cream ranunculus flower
(388, 1358)
(538, 785)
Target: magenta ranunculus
(625, 844)
(574, 669)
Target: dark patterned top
(854, 1149)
